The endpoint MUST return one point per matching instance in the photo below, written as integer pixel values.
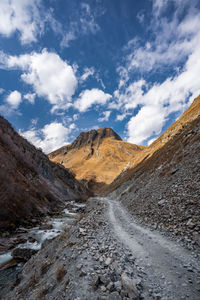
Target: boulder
(20, 254)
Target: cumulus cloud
(175, 45)
(160, 100)
(11, 103)
(22, 16)
(148, 121)
(90, 97)
(30, 97)
(106, 116)
(50, 76)
(49, 138)
(14, 99)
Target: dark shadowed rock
(23, 254)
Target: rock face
(97, 157)
(30, 184)
(164, 189)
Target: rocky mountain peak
(89, 137)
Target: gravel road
(174, 270)
(107, 255)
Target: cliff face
(30, 184)
(97, 157)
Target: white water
(40, 235)
(5, 258)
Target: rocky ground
(164, 192)
(105, 255)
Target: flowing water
(37, 236)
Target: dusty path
(107, 256)
(174, 271)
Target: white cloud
(148, 121)
(75, 117)
(50, 76)
(106, 116)
(87, 72)
(22, 16)
(85, 25)
(90, 97)
(30, 97)
(170, 41)
(151, 141)
(173, 95)
(87, 20)
(1, 91)
(51, 137)
(14, 99)
(175, 45)
(67, 38)
(121, 117)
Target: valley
(121, 223)
(108, 255)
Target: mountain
(163, 189)
(30, 184)
(97, 157)
(191, 114)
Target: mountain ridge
(96, 157)
(37, 185)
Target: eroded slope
(164, 189)
(30, 184)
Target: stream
(35, 237)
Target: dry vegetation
(60, 272)
(98, 162)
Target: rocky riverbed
(101, 258)
(18, 247)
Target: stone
(108, 261)
(161, 202)
(174, 170)
(83, 273)
(95, 282)
(82, 231)
(46, 226)
(110, 287)
(118, 286)
(129, 286)
(20, 254)
(114, 296)
(104, 279)
(103, 288)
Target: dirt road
(169, 267)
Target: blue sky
(70, 66)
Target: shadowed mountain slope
(174, 130)
(163, 190)
(30, 184)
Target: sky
(72, 66)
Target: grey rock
(23, 254)
(129, 286)
(108, 261)
(95, 282)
